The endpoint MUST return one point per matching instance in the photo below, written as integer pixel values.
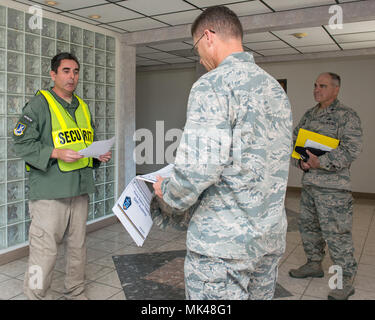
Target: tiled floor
(103, 283)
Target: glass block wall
(25, 56)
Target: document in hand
(164, 173)
(133, 210)
(98, 148)
(310, 139)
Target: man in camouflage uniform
(232, 166)
(326, 199)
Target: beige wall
(162, 95)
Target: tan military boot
(310, 269)
(344, 293)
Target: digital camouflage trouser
(326, 216)
(210, 278)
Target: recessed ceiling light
(95, 16)
(52, 3)
(299, 35)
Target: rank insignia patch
(19, 129)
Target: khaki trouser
(50, 220)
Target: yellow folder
(304, 135)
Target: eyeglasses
(194, 50)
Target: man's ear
(53, 75)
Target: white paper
(98, 148)
(163, 172)
(133, 210)
(316, 145)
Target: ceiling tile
(261, 36)
(177, 60)
(145, 49)
(108, 13)
(279, 5)
(44, 7)
(171, 46)
(342, 1)
(314, 36)
(209, 3)
(363, 26)
(150, 8)
(73, 4)
(266, 45)
(275, 52)
(249, 8)
(358, 45)
(353, 37)
(79, 18)
(158, 55)
(320, 48)
(149, 63)
(183, 17)
(138, 24)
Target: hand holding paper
(98, 148)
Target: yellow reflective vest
(70, 134)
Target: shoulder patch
(19, 129)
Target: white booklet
(133, 210)
(133, 206)
(163, 172)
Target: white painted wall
(163, 95)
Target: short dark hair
(335, 78)
(220, 19)
(56, 60)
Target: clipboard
(304, 135)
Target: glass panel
(62, 47)
(15, 169)
(3, 149)
(2, 127)
(11, 153)
(14, 191)
(111, 93)
(2, 16)
(99, 109)
(77, 51)
(109, 203)
(48, 47)
(100, 58)
(110, 109)
(111, 76)
(100, 125)
(34, 22)
(99, 192)
(15, 83)
(99, 92)
(49, 28)
(99, 41)
(98, 209)
(110, 60)
(110, 125)
(3, 239)
(88, 55)
(15, 40)
(88, 38)
(46, 83)
(2, 82)
(99, 175)
(91, 212)
(111, 44)
(15, 105)
(62, 31)
(2, 38)
(76, 35)
(15, 19)
(2, 103)
(32, 64)
(2, 60)
(88, 73)
(99, 75)
(2, 193)
(3, 171)
(46, 66)
(15, 234)
(15, 62)
(88, 90)
(109, 190)
(3, 212)
(32, 85)
(32, 44)
(109, 173)
(15, 213)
